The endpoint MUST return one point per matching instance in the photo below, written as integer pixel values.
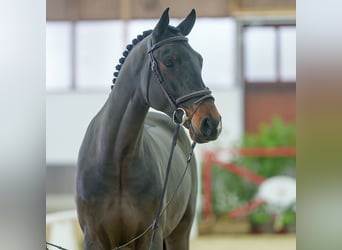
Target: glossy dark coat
(123, 157)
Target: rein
(179, 117)
(160, 212)
(154, 225)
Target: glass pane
(214, 39)
(58, 55)
(99, 45)
(288, 53)
(260, 54)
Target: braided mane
(129, 47)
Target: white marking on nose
(219, 127)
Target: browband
(168, 40)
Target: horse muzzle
(206, 123)
(210, 129)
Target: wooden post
(207, 185)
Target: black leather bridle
(179, 115)
(179, 118)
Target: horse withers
(123, 157)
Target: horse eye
(169, 63)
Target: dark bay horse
(123, 157)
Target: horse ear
(186, 25)
(162, 25)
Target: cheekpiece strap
(179, 114)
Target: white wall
(68, 115)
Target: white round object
(278, 191)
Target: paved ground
(244, 242)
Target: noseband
(179, 115)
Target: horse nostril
(208, 127)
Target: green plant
(274, 135)
(277, 134)
(231, 191)
(259, 216)
(289, 217)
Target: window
(58, 55)
(269, 54)
(99, 45)
(260, 54)
(287, 53)
(214, 39)
(83, 55)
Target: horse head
(177, 76)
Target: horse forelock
(175, 31)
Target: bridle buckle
(179, 116)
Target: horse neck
(125, 111)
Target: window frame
(277, 23)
